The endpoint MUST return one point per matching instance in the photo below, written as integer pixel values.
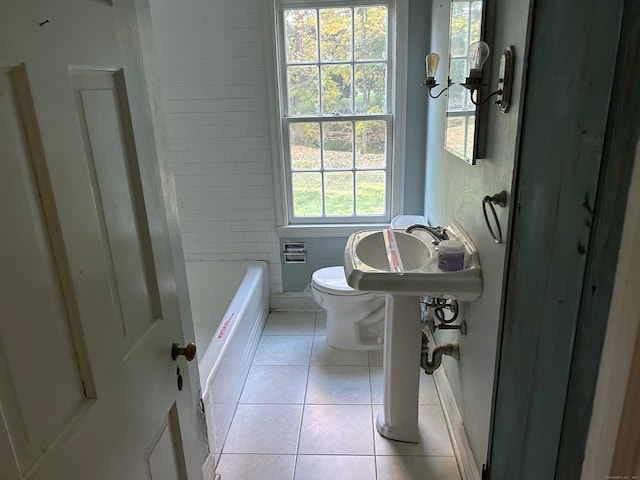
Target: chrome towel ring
(499, 199)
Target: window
(336, 107)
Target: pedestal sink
(370, 265)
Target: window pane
(370, 193)
(459, 69)
(455, 134)
(456, 100)
(371, 87)
(371, 144)
(302, 85)
(469, 105)
(337, 144)
(301, 31)
(336, 89)
(307, 194)
(370, 33)
(338, 193)
(335, 34)
(304, 140)
(459, 29)
(475, 22)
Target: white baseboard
(459, 441)
(292, 301)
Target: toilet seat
(332, 280)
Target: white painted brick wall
(212, 72)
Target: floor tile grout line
(304, 403)
(373, 423)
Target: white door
(88, 296)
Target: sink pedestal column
(402, 343)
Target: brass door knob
(189, 351)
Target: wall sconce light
(431, 64)
(477, 55)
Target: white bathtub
(230, 304)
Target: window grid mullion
(340, 118)
(338, 62)
(353, 111)
(320, 101)
(322, 171)
(353, 58)
(324, 194)
(353, 165)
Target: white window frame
(396, 100)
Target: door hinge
(485, 472)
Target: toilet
(355, 319)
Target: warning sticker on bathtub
(224, 326)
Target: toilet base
(354, 322)
(356, 336)
(354, 346)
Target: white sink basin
(367, 265)
(371, 253)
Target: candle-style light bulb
(477, 54)
(431, 62)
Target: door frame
(613, 433)
(572, 180)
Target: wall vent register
(294, 252)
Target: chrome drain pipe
(450, 349)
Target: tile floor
(307, 412)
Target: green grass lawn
(338, 184)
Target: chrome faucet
(438, 233)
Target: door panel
(109, 143)
(166, 461)
(42, 385)
(88, 294)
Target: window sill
(328, 230)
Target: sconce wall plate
(505, 80)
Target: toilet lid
(332, 280)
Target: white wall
(212, 72)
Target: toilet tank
(402, 222)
